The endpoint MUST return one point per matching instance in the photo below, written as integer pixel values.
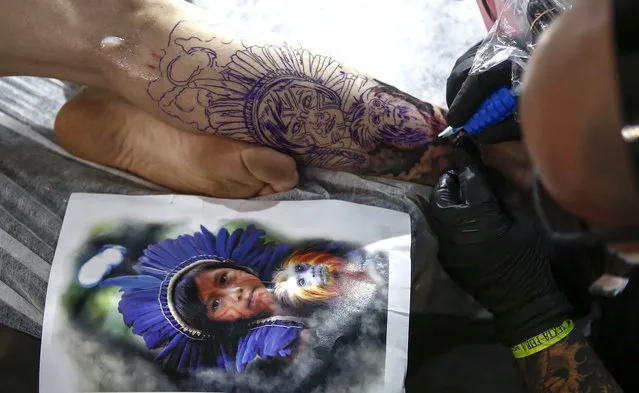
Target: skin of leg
(99, 126)
(161, 56)
(213, 79)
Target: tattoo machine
(497, 107)
(512, 38)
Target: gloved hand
(464, 95)
(490, 245)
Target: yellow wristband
(543, 340)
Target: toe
(272, 167)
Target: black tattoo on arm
(569, 366)
(302, 104)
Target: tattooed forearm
(306, 105)
(570, 366)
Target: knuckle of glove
(473, 90)
(487, 230)
(453, 85)
(458, 76)
(470, 226)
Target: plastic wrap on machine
(515, 34)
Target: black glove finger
(474, 186)
(505, 131)
(460, 72)
(446, 192)
(475, 90)
(441, 213)
(467, 152)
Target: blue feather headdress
(147, 305)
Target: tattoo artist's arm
(568, 366)
(202, 78)
(490, 245)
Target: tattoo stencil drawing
(291, 100)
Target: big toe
(276, 169)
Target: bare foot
(99, 126)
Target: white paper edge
(51, 368)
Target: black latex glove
(464, 95)
(489, 244)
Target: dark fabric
(19, 360)
(35, 184)
(627, 57)
(616, 335)
(458, 355)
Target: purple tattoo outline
(293, 101)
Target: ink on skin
(297, 102)
(157, 57)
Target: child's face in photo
(231, 294)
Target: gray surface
(410, 44)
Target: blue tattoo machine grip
(497, 107)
